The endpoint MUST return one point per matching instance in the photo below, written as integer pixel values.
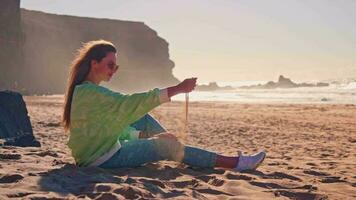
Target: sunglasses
(112, 66)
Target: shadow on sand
(167, 180)
(149, 181)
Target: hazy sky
(231, 40)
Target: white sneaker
(250, 162)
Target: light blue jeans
(134, 153)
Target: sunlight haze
(229, 40)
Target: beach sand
(310, 155)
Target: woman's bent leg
(133, 154)
(148, 126)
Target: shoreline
(61, 100)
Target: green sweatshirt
(99, 117)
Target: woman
(107, 128)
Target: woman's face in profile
(107, 67)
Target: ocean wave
(351, 85)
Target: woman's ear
(94, 63)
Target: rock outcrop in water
(36, 49)
(284, 83)
(212, 86)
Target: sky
(237, 40)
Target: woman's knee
(167, 135)
(170, 148)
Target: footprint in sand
(315, 173)
(50, 124)
(238, 177)
(53, 124)
(311, 164)
(153, 182)
(19, 194)
(12, 178)
(300, 195)
(281, 175)
(10, 156)
(156, 187)
(131, 192)
(275, 175)
(332, 179)
(45, 153)
(267, 185)
(102, 195)
(291, 192)
(277, 163)
(56, 162)
(212, 191)
(212, 180)
(324, 155)
(185, 184)
(277, 186)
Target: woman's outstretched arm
(185, 86)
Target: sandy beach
(311, 154)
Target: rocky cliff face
(10, 43)
(50, 41)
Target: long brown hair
(79, 69)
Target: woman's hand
(185, 86)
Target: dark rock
(15, 125)
(319, 84)
(212, 86)
(284, 83)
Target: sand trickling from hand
(183, 132)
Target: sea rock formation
(44, 44)
(212, 86)
(284, 83)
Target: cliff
(10, 43)
(49, 43)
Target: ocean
(340, 93)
